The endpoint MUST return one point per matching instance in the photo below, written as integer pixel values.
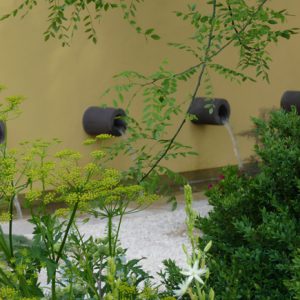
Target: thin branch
(207, 58)
(238, 32)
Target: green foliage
(254, 224)
(85, 271)
(78, 267)
(190, 282)
(171, 277)
(147, 135)
(250, 27)
(89, 188)
(66, 16)
(151, 140)
(294, 284)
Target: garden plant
(251, 254)
(247, 28)
(77, 267)
(254, 225)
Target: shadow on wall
(2, 132)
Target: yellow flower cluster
(5, 217)
(50, 197)
(7, 293)
(8, 168)
(98, 154)
(146, 199)
(68, 154)
(104, 136)
(62, 212)
(111, 178)
(73, 183)
(91, 168)
(127, 290)
(33, 195)
(89, 141)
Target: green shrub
(255, 224)
(294, 284)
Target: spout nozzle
(289, 99)
(219, 115)
(99, 120)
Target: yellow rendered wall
(60, 83)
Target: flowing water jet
(235, 145)
(18, 207)
(218, 116)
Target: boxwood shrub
(255, 221)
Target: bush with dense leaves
(255, 221)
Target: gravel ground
(156, 233)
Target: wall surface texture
(60, 83)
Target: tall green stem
(10, 236)
(207, 57)
(59, 254)
(117, 232)
(109, 225)
(53, 286)
(67, 232)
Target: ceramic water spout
(220, 113)
(289, 99)
(99, 120)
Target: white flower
(192, 273)
(182, 289)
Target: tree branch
(206, 58)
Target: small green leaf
(208, 246)
(149, 31)
(155, 37)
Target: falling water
(234, 143)
(18, 207)
(120, 130)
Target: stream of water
(235, 145)
(18, 207)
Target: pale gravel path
(156, 233)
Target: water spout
(235, 146)
(100, 120)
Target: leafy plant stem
(67, 232)
(198, 289)
(87, 258)
(53, 287)
(207, 58)
(109, 226)
(53, 284)
(11, 206)
(118, 231)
